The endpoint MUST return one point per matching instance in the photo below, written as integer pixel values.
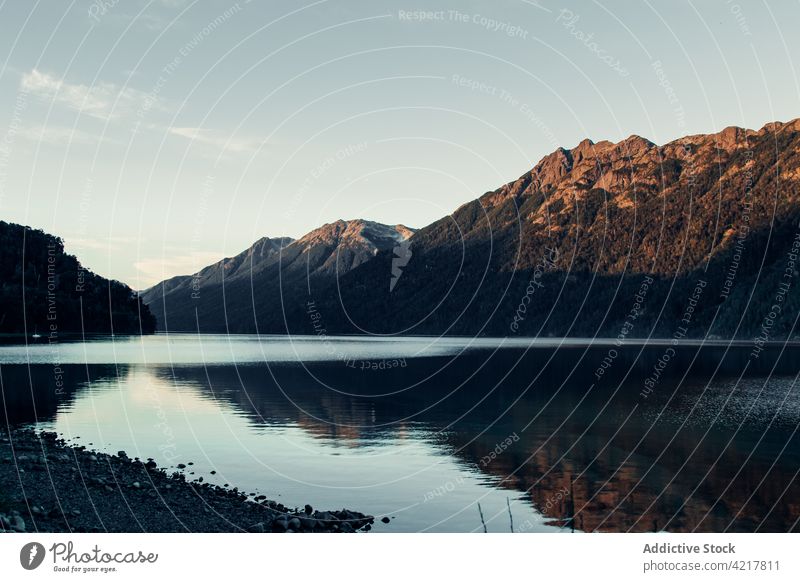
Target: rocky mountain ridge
(586, 225)
(328, 251)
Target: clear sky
(159, 136)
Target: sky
(159, 136)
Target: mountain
(47, 291)
(228, 293)
(253, 258)
(630, 239)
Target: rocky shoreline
(49, 486)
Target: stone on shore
(87, 491)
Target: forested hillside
(45, 290)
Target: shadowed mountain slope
(696, 236)
(46, 291)
(228, 293)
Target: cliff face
(632, 204)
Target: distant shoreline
(508, 340)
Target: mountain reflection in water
(427, 439)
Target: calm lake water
(566, 435)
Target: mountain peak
(356, 230)
(634, 144)
(602, 164)
(278, 268)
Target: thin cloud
(109, 244)
(57, 135)
(103, 100)
(208, 137)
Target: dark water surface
(568, 435)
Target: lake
(558, 435)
